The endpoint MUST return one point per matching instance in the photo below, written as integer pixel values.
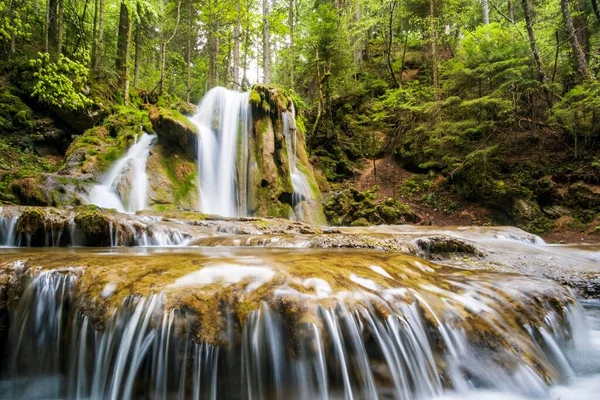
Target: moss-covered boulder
(172, 180)
(354, 208)
(94, 226)
(175, 132)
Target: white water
(223, 120)
(302, 191)
(105, 194)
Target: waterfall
(106, 194)
(223, 121)
(409, 349)
(302, 191)
(8, 229)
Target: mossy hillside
(351, 207)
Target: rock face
(270, 175)
(175, 132)
(172, 180)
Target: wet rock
(175, 132)
(557, 212)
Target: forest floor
(438, 206)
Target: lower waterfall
(223, 121)
(483, 337)
(130, 170)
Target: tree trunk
(434, 55)
(123, 50)
(94, 33)
(100, 45)
(390, 42)
(188, 57)
(266, 44)
(291, 26)
(403, 58)
(53, 25)
(536, 53)
(596, 9)
(236, 47)
(163, 58)
(47, 27)
(485, 6)
(246, 46)
(60, 27)
(138, 49)
(578, 54)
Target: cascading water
(223, 120)
(469, 337)
(302, 191)
(105, 194)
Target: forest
(449, 112)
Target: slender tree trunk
(100, 45)
(94, 33)
(390, 42)
(578, 54)
(596, 9)
(188, 57)
(485, 6)
(266, 44)
(211, 60)
(47, 27)
(434, 55)
(246, 46)
(320, 104)
(60, 28)
(163, 58)
(536, 53)
(216, 55)
(511, 11)
(138, 50)
(123, 50)
(292, 50)
(53, 25)
(581, 27)
(236, 47)
(403, 58)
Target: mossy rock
(353, 207)
(175, 132)
(95, 226)
(583, 196)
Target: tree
(123, 49)
(536, 53)
(266, 43)
(578, 54)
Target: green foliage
(61, 83)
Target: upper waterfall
(107, 194)
(223, 121)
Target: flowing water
(223, 120)
(132, 169)
(326, 325)
(302, 191)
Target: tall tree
(236, 46)
(485, 7)
(434, 54)
(163, 49)
(100, 40)
(578, 54)
(291, 27)
(266, 43)
(535, 51)
(123, 49)
(390, 41)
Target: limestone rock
(175, 132)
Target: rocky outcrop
(175, 132)
(172, 181)
(351, 207)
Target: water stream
(370, 335)
(132, 168)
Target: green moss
(182, 174)
(255, 99)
